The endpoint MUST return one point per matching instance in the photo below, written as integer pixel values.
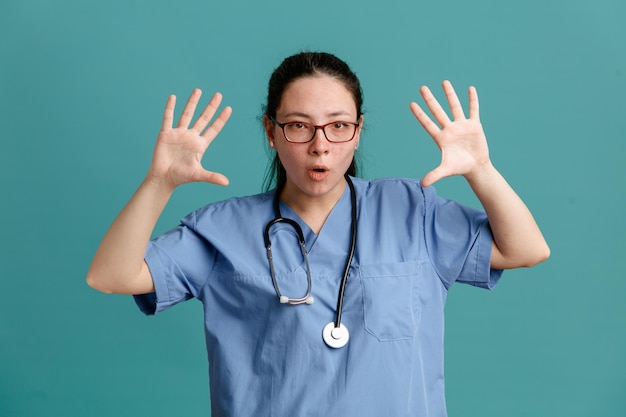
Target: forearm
(118, 265)
(518, 242)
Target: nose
(319, 145)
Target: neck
(313, 209)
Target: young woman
(325, 295)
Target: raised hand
(178, 153)
(462, 140)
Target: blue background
(82, 89)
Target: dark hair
(301, 65)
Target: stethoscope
(335, 333)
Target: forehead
(318, 95)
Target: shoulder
(393, 198)
(398, 188)
(233, 209)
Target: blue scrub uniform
(269, 359)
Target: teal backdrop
(82, 89)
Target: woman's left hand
(462, 140)
(517, 240)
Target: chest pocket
(391, 300)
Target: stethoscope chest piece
(335, 337)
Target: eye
(297, 126)
(339, 125)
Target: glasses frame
(315, 128)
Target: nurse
(370, 262)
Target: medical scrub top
(269, 359)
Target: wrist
(482, 172)
(158, 184)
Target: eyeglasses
(301, 132)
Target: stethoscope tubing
(268, 246)
(353, 230)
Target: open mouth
(318, 173)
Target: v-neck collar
(337, 221)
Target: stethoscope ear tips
(285, 300)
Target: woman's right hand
(177, 157)
(118, 265)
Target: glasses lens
(299, 132)
(340, 131)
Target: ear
(357, 136)
(269, 130)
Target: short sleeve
(180, 261)
(459, 242)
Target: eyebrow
(306, 116)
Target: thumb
(213, 178)
(434, 176)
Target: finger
(218, 124)
(453, 101)
(207, 114)
(473, 103)
(190, 108)
(429, 126)
(433, 105)
(168, 115)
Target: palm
(462, 140)
(179, 150)
(178, 155)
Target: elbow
(523, 258)
(546, 253)
(541, 255)
(116, 282)
(97, 283)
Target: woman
(352, 325)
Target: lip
(318, 172)
(318, 168)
